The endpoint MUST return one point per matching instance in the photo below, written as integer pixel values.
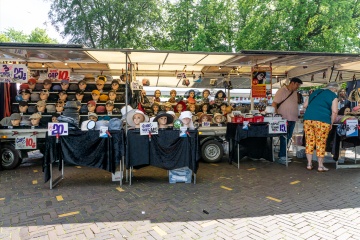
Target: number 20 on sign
(58, 129)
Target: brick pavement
(262, 200)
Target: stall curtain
(5, 110)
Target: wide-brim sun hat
(203, 115)
(130, 115)
(170, 118)
(185, 114)
(223, 118)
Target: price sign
(58, 128)
(352, 128)
(277, 126)
(58, 74)
(25, 142)
(13, 73)
(149, 127)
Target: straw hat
(223, 118)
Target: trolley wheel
(10, 157)
(212, 151)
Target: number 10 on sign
(58, 128)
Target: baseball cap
(66, 81)
(47, 81)
(95, 92)
(26, 91)
(41, 104)
(93, 114)
(80, 92)
(32, 81)
(91, 102)
(35, 116)
(23, 103)
(15, 116)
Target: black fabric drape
(85, 148)
(165, 150)
(255, 142)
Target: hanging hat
(56, 88)
(170, 118)
(73, 87)
(50, 108)
(39, 86)
(35, 97)
(130, 115)
(71, 105)
(223, 118)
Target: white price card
(352, 128)
(13, 73)
(149, 127)
(277, 126)
(25, 142)
(58, 128)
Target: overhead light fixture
(219, 67)
(66, 64)
(43, 65)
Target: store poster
(277, 126)
(352, 128)
(58, 74)
(103, 132)
(261, 82)
(149, 128)
(25, 142)
(13, 73)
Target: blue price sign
(277, 126)
(58, 129)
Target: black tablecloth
(165, 150)
(85, 148)
(333, 142)
(255, 142)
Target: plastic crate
(180, 175)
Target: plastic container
(249, 118)
(237, 119)
(180, 175)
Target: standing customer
(286, 103)
(321, 111)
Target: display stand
(165, 150)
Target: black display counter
(84, 148)
(255, 142)
(165, 150)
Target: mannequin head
(163, 119)
(205, 108)
(186, 118)
(59, 107)
(35, 119)
(157, 93)
(54, 117)
(93, 116)
(63, 96)
(109, 107)
(223, 107)
(95, 94)
(134, 117)
(40, 106)
(91, 105)
(219, 118)
(112, 95)
(32, 83)
(65, 84)
(15, 119)
(205, 93)
(168, 106)
(173, 93)
(23, 107)
(100, 83)
(115, 85)
(82, 85)
(79, 95)
(192, 108)
(25, 94)
(191, 93)
(155, 108)
(138, 118)
(44, 95)
(47, 84)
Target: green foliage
(211, 25)
(38, 35)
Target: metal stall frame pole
(58, 179)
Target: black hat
(170, 118)
(26, 91)
(23, 103)
(63, 91)
(47, 81)
(296, 80)
(81, 92)
(115, 81)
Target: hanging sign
(277, 126)
(261, 82)
(25, 142)
(149, 128)
(58, 74)
(352, 128)
(58, 129)
(13, 73)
